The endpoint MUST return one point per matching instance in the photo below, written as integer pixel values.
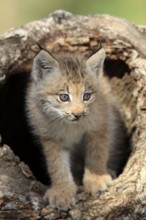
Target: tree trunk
(125, 45)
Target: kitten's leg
(96, 176)
(62, 192)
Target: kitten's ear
(95, 62)
(43, 64)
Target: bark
(125, 45)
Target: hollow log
(125, 46)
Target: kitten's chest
(69, 135)
(66, 134)
(72, 136)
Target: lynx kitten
(70, 108)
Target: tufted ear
(43, 64)
(95, 62)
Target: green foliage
(18, 12)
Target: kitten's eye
(64, 97)
(86, 96)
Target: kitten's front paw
(93, 182)
(61, 197)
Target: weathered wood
(125, 45)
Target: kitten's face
(71, 101)
(66, 86)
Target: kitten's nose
(77, 115)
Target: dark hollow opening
(13, 124)
(116, 68)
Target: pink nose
(78, 115)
